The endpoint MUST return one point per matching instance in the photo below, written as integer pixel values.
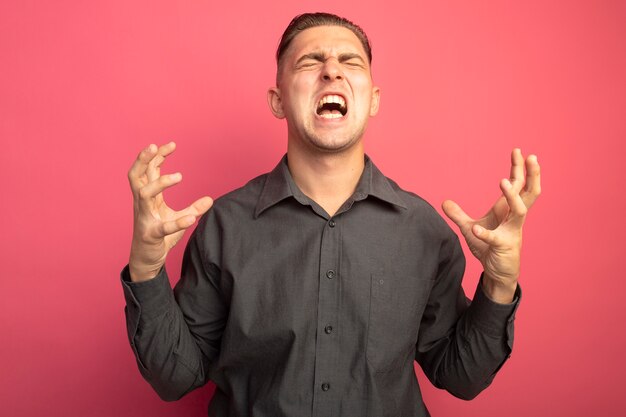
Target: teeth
(332, 99)
(331, 115)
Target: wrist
(140, 273)
(144, 262)
(498, 291)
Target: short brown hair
(311, 20)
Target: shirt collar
(280, 185)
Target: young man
(311, 290)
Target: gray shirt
(292, 312)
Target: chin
(333, 146)
(329, 139)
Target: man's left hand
(496, 238)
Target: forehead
(326, 39)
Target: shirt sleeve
(463, 344)
(174, 338)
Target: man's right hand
(156, 227)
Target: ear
(375, 101)
(275, 102)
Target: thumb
(456, 214)
(490, 237)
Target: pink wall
(84, 85)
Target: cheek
(299, 97)
(303, 85)
(365, 102)
(363, 89)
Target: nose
(331, 70)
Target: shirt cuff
(494, 318)
(147, 299)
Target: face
(325, 89)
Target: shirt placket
(326, 344)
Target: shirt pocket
(396, 307)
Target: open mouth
(332, 106)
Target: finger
(156, 187)
(500, 209)
(457, 215)
(532, 190)
(517, 208)
(174, 226)
(517, 169)
(197, 208)
(138, 169)
(153, 171)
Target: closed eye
(357, 64)
(352, 60)
(308, 64)
(309, 60)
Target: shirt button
(325, 386)
(331, 223)
(330, 274)
(328, 329)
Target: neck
(329, 179)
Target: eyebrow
(319, 56)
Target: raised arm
(173, 342)
(462, 352)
